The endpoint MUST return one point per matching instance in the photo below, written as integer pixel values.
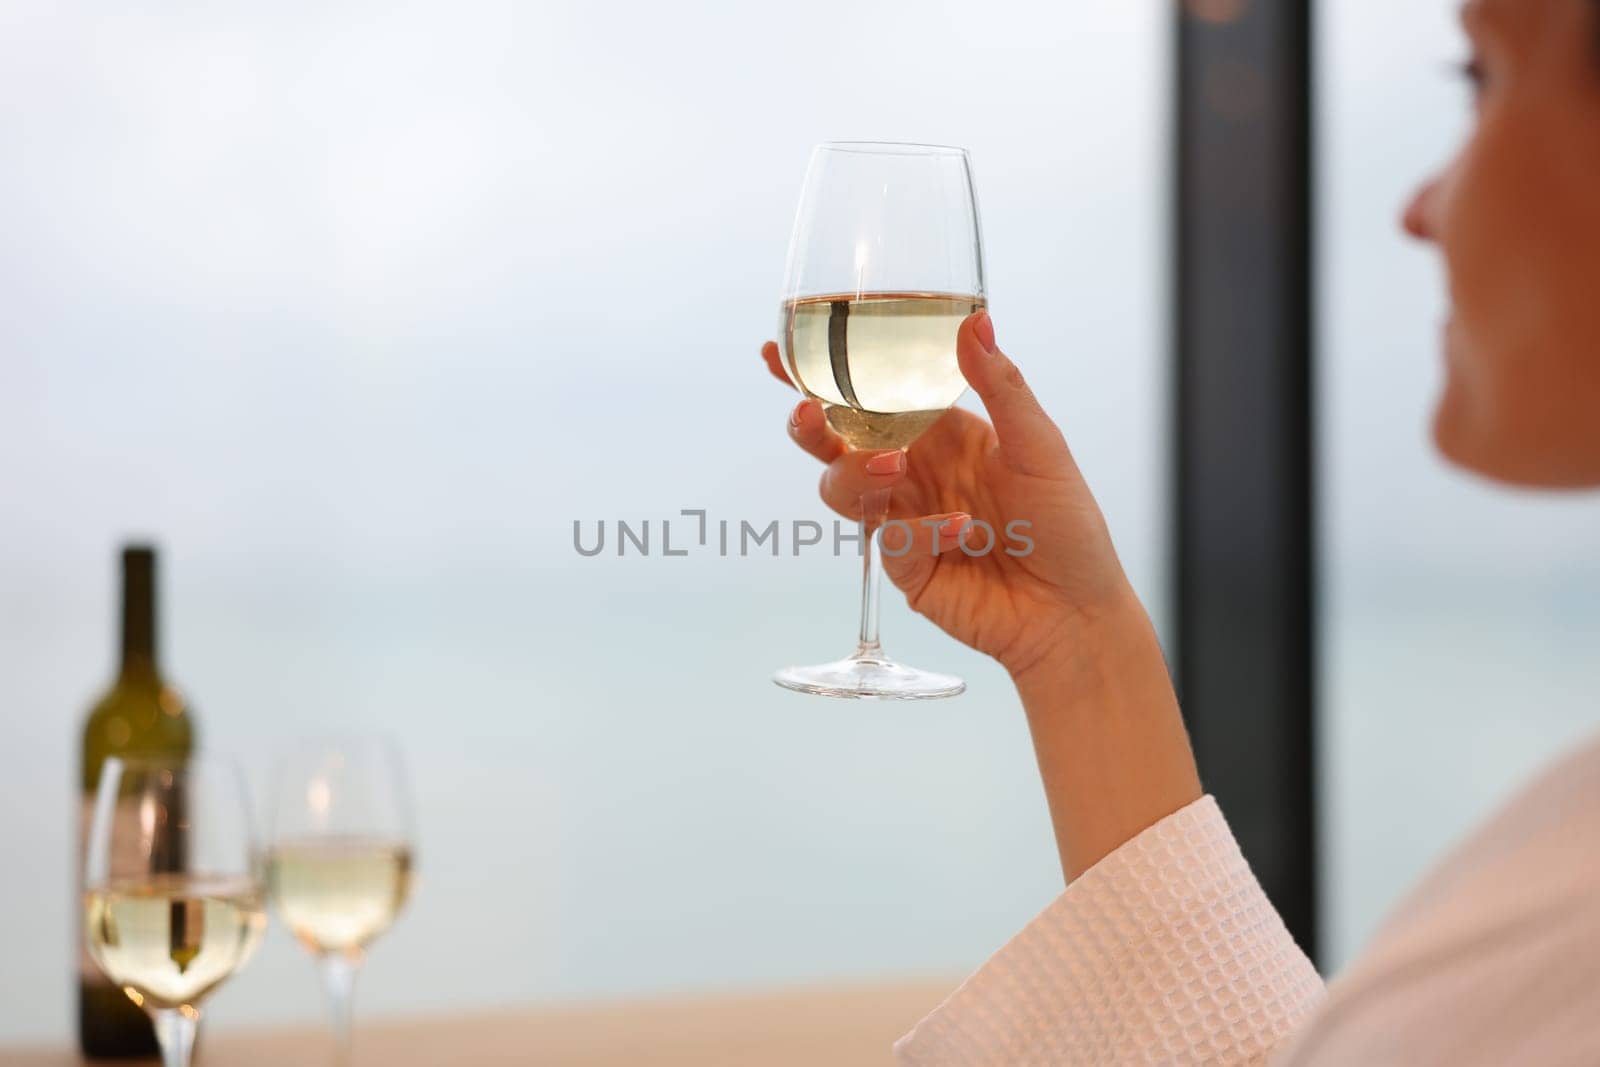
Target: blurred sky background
(355, 308)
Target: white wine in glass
(339, 863)
(338, 894)
(883, 364)
(885, 263)
(169, 940)
(173, 906)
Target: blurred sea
(614, 799)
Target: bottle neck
(138, 615)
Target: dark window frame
(1242, 468)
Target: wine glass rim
(892, 148)
(331, 741)
(165, 770)
(336, 745)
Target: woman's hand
(1042, 571)
(1062, 618)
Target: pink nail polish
(952, 527)
(794, 416)
(887, 463)
(984, 329)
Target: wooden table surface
(834, 1027)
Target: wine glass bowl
(337, 895)
(339, 860)
(173, 900)
(885, 263)
(883, 365)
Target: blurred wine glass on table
(340, 856)
(173, 900)
(885, 262)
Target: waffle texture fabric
(1168, 952)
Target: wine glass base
(868, 677)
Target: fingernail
(951, 528)
(984, 328)
(794, 416)
(887, 463)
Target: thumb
(1030, 442)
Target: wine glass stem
(874, 510)
(339, 979)
(175, 1034)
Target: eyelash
(1472, 70)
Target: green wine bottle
(140, 716)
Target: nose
(1421, 218)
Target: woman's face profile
(1516, 215)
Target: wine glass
(340, 855)
(885, 262)
(173, 900)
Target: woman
(1163, 947)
